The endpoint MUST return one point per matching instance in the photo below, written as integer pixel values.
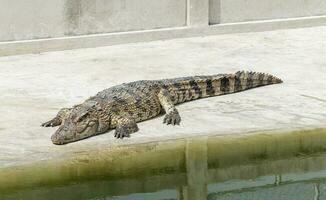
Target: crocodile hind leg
(57, 120)
(172, 115)
(125, 126)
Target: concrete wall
(23, 20)
(34, 19)
(40, 25)
(248, 10)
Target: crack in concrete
(315, 98)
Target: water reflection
(252, 167)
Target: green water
(277, 167)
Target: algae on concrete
(192, 163)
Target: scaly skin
(122, 106)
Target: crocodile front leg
(172, 115)
(125, 125)
(57, 120)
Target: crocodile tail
(196, 87)
(207, 86)
(244, 80)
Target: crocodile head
(82, 122)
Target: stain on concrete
(81, 17)
(72, 14)
(214, 11)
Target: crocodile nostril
(57, 138)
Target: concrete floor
(34, 87)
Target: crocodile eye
(91, 123)
(80, 128)
(81, 118)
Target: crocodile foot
(172, 117)
(125, 130)
(52, 123)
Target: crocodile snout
(57, 137)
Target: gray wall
(248, 10)
(109, 22)
(33, 19)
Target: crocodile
(121, 107)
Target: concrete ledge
(97, 40)
(34, 87)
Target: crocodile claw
(172, 117)
(125, 130)
(52, 123)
